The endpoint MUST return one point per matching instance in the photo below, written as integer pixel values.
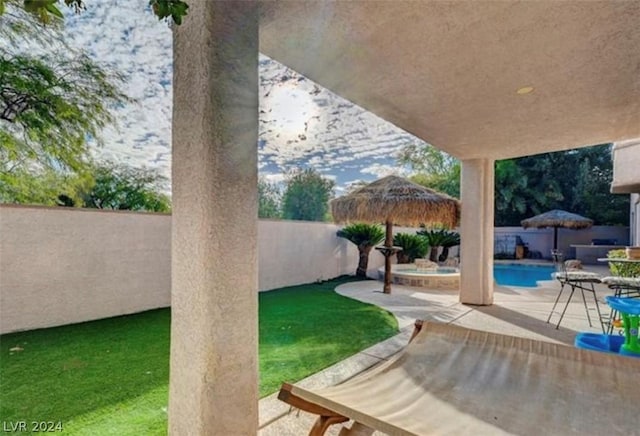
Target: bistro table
(621, 286)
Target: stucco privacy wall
(542, 239)
(61, 266)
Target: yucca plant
(365, 237)
(440, 238)
(413, 247)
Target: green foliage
(527, 186)
(590, 194)
(269, 200)
(42, 187)
(122, 187)
(622, 269)
(440, 238)
(47, 11)
(575, 180)
(176, 9)
(362, 234)
(413, 247)
(111, 376)
(52, 100)
(432, 168)
(306, 196)
(48, 108)
(365, 237)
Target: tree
(306, 196)
(523, 188)
(432, 168)
(43, 187)
(123, 187)
(269, 200)
(591, 195)
(52, 99)
(48, 108)
(48, 10)
(365, 237)
(576, 180)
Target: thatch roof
(397, 200)
(557, 218)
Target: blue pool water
(521, 275)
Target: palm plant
(451, 240)
(365, 237)
(413, 247)
(440, 238)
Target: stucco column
(214, 324)
(476, 231)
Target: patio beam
(214, 334)
(476, 231)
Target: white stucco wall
(61, 266)
(542, 239)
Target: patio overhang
(626, 167)
(449, 72)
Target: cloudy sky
(301, 124)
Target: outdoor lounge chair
(452, 380)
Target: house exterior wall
(634, 220)
(626, 180)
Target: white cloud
(301, 125)
(383, 170)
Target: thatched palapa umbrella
(557, 218)
(394, 200)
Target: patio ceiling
(448, 72)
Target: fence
(62, 265)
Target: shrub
(413, 247)
(622, 269)
(440, 238)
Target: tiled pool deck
(519, 312)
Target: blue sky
(301, 124)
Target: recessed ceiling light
(525, 90)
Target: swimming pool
(526, 276)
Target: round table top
(622, 260)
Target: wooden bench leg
(356, 429)
(324, 422)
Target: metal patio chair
(575, 279)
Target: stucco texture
(62, 266)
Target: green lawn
(111, 376)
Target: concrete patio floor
(516, 311)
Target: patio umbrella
(557, 218)
(394, 200)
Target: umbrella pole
(388, 242)
(555, 238)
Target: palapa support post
(388, 242)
